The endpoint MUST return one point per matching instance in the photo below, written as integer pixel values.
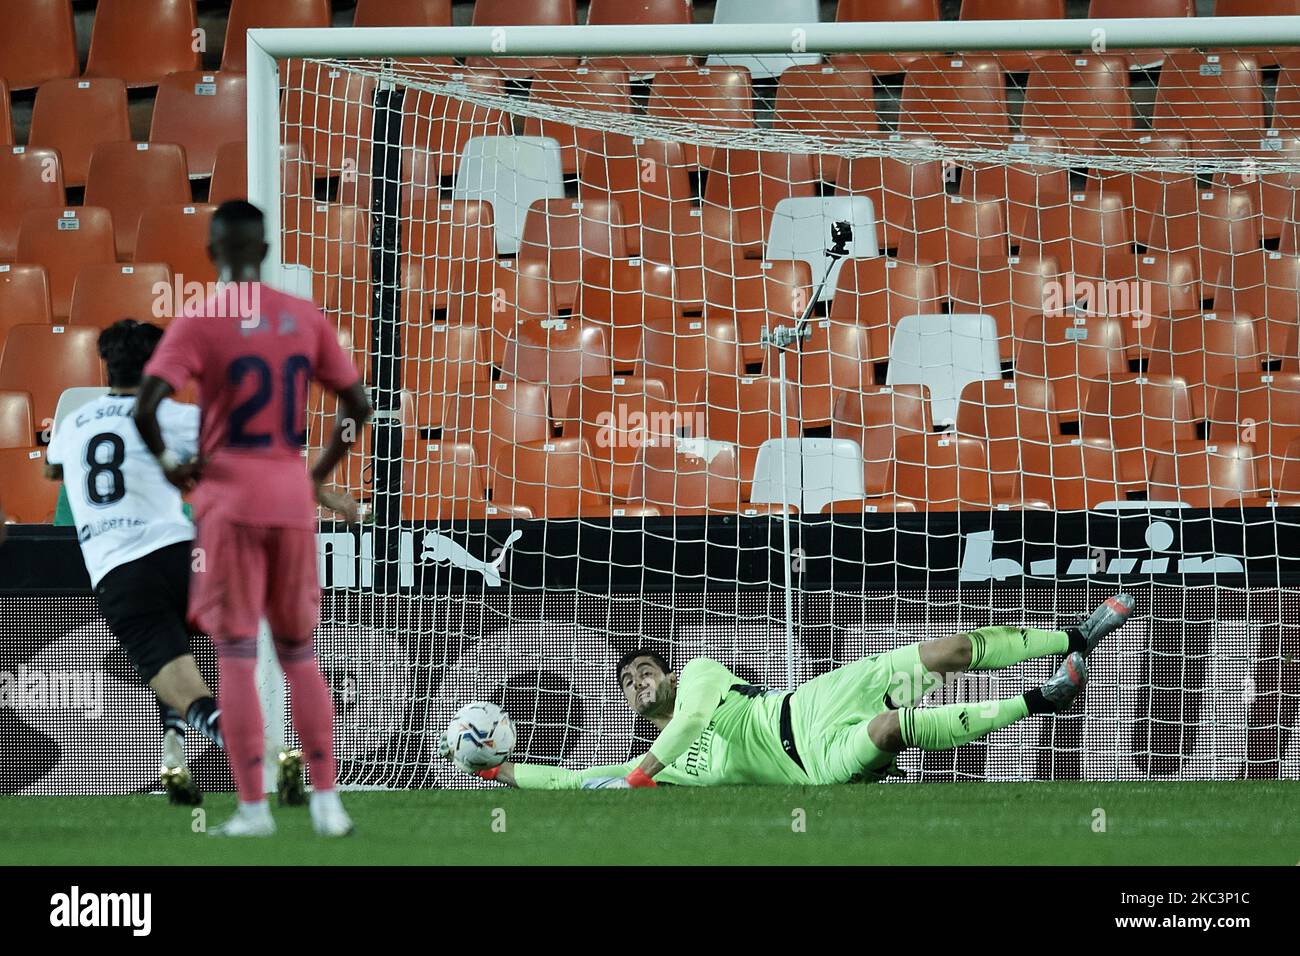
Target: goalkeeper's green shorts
(830, 713)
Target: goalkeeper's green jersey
(723, 731)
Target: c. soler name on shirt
(215, 300)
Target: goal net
(790, 358)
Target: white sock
(256, 808)
(326, 800)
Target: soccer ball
(479, 737)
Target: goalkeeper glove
(639, 778)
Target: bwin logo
(978, 563)
(75, 909)
(438, 548)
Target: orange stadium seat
(894, 186)
(943, 472)
(64, 240)
(618, 416)
(748, 185)
(615, 12)
(1084, 232)
(1205, 474)
(436, 358)
(1204, 350)
(37, 42)
(1013, 10)
(755, 295)
(506, 300)
(1263, 411)
(646, 179)
(960, 100)
(872, 11)
(105, 293)
(836, 355)
(43, 360)
(1073, 352)
(330, 112)
(557, 353)
(684, 350)
(714, 96)
(1082, 100)
(877, 418)
(440, 480)
(203, 112)
(30, 178)
(678, 482)
(24, 297)
(75, 116)
(28, 496)
(335, 244)
(560, 233)
(489, 415)
(1210, 96)
(555, 478)
(1071, 474)
(249, 14)
(607, 91)
(876, 293)
(1266, 286)
(403, 13)
(1141, 415)
(128, 178)
(6, 116)
(447, 243)
(1001, 414)
(1287, 481)
(140, 43)
(1022, 187)
(436, 128)
(178, 236)
(16, 427)
(504, 13)
(623, 296)
(230, 174)
(745, 411)
(829, 102)
(1011, 289)
(947, 229)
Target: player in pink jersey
(254, 502)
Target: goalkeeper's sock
(171, 719)
(996, 647)
(242, 715)
(204, 717)
(942, 728)
(313, 710)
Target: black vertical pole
(386, 338)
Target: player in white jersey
(136, 540)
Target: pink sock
(241, 715)
(313, 709)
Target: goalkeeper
(847, 725)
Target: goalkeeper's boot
(1067, 683)
(174, 776)
(248, 821)
(290, 790)
(328, 816)
(1109, 617)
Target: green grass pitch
(976, 823)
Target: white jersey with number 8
(123, 505)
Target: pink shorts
(249, 573)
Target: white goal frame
(266, 48)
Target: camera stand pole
(781, 338)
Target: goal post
(637, 387)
